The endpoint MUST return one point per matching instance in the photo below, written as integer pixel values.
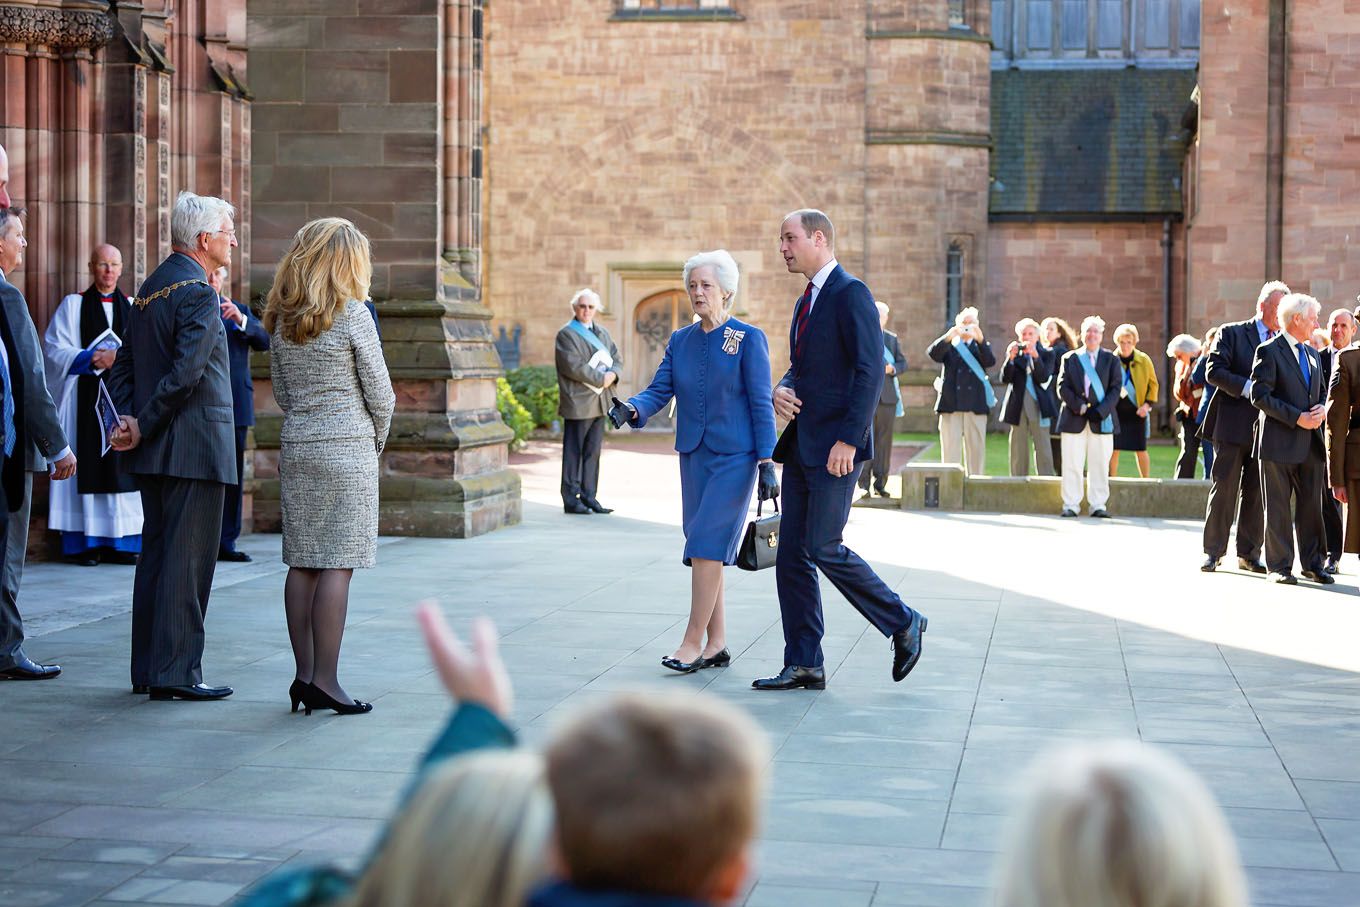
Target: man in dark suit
(1286, 386)
(172, 385)
(1027, 407)
(828, 395)
(1230, 423)
(1089, 379)
(33, 437)
(1341, 327)
(244, 334)
(888, 409)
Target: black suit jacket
(960, 390)
(839, 377)
(240, 341)
(1080, 409)
(172, 374)
(1278, 391)
(1013, 376)
(1230, 418)
(41, 424)
(889, 395)
(13, 469)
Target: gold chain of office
(166, 291)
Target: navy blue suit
(838, 377)
(240, 341)
(724, 424)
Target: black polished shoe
(1251, 566)
(314, 698)
(906, 646)
(684, 667)
(1100, 513)
(25, 668)
(1210, 564)
(84, 559)
(140, 689)
(1318, 575)
(124, 558)
(794, 677)
(297, 693)
(1068, 513)
(882, 492)
(1284, 579)
(198, 692)
(595, 506)
(720, 660)
(576, 507)
(235, 557)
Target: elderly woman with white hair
(718, 371)
(1118, 823)
(1185, 349)
(1137, 395)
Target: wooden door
(654, 320)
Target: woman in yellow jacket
(1136, 397)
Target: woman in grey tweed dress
(331, 382)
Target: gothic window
(958, 14)
(953, 282)
(674, 9)
(1075, 32)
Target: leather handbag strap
(761, 504)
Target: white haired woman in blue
(718, 371)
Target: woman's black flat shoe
(721, 660)
(684, 667)
(314, 698)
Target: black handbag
(760, 544)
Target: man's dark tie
(1303, 366)
(800, 320)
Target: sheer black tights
(316, 602)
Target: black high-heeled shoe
(684, 667)
(720, 660)
(297, 692)
(315, 698)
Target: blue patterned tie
(9, 418)
(1303, 364)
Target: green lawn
(1162, 452)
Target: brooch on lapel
(732, 341)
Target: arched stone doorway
(655, 318)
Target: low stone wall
(936, 486)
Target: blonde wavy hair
(328, 264)
(474, 835)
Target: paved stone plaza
(1040, 629)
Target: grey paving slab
(882, 794)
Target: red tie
(800, 319)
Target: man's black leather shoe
(794, 677)
(1210, 564)
(1284, 579)
(1251, 566)
(199, 692)
(1068, 512)
(236, 557)
(140, 689)
(596, 506)
(575, 507)
(906, 645)
(125, 558)
(1319, 576)
(1100, 513)
(25, 668)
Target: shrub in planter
(513, 414)
(535, 387)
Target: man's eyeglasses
(231, 233)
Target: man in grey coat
(587, 366)
(171, 384)
(44, 448)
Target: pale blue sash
(888, 360)
(1106, 424)
(587, 333)
(971, 361)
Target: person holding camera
(965, 392)
(1028, 409)
(718, 371)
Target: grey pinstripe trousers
(181, 530)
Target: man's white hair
(1182, 343)
(882, 307)
(968, 312)
(723, 264)
(1025, 323)
(1346, 312)
(1296, 304)
(1271, 286)
(586, 293)
(195, 214)
(1090, 320)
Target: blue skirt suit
(724, 425)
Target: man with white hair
(1230, 423)
(1089, 380)
(587, 365)
(1286, 386)
(171, 383)
(888, 409)
(965, 395)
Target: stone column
(374, 117)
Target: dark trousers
(1206, 447)
(1301, 485)
(231, 501)
(1189, 456)
(181, 529)
(1236, 489)
(1332, 523)
(885, 416)
(1056, 442)
(11, 624)
(581, 442)
(816, 505)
